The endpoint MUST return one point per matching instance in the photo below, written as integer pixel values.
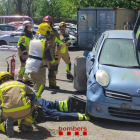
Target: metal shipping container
(93, 21)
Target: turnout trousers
(52, 111)
(39, 79)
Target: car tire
(80, 78)
(3, 43)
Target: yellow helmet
(62, 24)
(5, 76)
(44, 29)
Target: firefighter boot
(86, 118)
(25, 128)
(70, 76)
(9, 127)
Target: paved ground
(96, 129)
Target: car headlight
(102, 78)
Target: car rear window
(119, 52)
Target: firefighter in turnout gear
(52, 44)
(15, 104)
(44, 33)
(58, 111)
(23, 48)
(62, 51)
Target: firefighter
(39, 78)
(62, 51)
(52, 43)
(23, 47)
(16, 104)
(58, 111)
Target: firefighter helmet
(46, 18)
(44, 29)
(62, 24)
(27, 23)
(5, 76)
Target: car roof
(127, 34)
(7, 25)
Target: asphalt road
(96, 129)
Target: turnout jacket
(64, 38)
(13, 97)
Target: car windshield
(118, 52)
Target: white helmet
(27, 23)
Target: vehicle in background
(68, 30)
(71, 25)
(94, 21)
(12, 39)
(73, 29)
(16, 23)
(6, 29)
(112, 77)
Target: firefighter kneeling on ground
(17, 104)
(23, 48)
(62, 51)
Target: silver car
(6, 29)
(12, 38)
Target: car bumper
(98, 105)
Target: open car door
(136, 38)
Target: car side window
(95, 48)
(8, 28)
(96, 45)
(1, 28)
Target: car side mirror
(86, 53)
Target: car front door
(91, 56)
(13, 40)
(6, 30)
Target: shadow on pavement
(69, 81)
(41, 134)
(55, 91)
(116, 125)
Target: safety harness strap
(35, 57)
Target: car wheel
(3, 43)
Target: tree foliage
(59, 8)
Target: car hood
(125, 80)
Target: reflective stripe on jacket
(13, 96)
